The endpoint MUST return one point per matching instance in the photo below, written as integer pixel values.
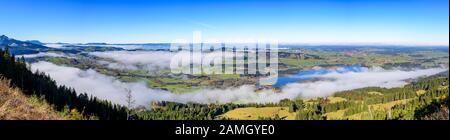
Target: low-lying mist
(129, 60)
(43, 54)
(106, 87)
(152, 60)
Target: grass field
(14, 105)
(420, 92)
(332, 100)
(375, 93)
(339, 115)
(388, 105)
(253, 113)
(336, 115)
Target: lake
(306, 75)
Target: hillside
(14, 105)
(61, 98)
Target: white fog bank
(107, 87)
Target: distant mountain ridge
(6, 41)
(18, 47)
(37, 42)
(22, 47)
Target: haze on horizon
(398, 22)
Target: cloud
(43, 54)
(102, 86)
(369, 77)
(106, 87)
(55, 45)
(152, 60)
(123, 46)
(130, 60)
(375, 77)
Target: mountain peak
(3, 37)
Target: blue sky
(296, 21)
